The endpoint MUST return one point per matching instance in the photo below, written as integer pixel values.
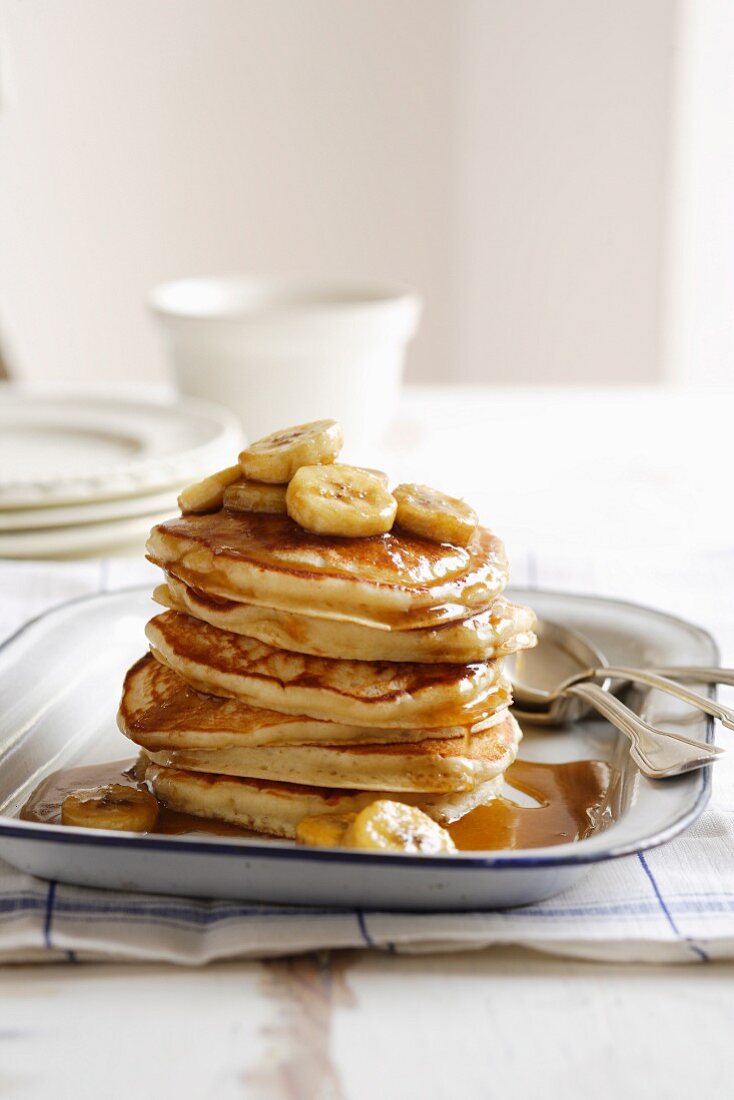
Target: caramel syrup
(45, 802)
(573, 801)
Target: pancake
(435, 766)
(276, 808)
(160, 711)
(394, 581)
(502, 629)
(383, 694)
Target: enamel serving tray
(60, 680)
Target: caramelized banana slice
(323, 830)
(207, 495)
(276, 458)
(434, 515)
(255, 496)
(394, 827)
(111, 807)
(340, 500)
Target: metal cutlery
(556, 683)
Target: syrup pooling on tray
(574, 801)
(45, 803)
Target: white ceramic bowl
(280, 353)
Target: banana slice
(340, 500)
(394, 827)
(276, 458)
(434, 515)
(207, 495)
(256, 496)
(112, 807)
(323, 830)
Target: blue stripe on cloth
(363, 928)
(187, 916)
(186, 913)
(48, 918)
(49, 914)
(365, 933)
(695, 902)
(17, 903)
(203, 916)
(674, 927)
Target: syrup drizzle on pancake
(373, 693)
(279, 542)
(501, 629)
(390, 581)
(159, 710)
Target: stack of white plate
(90, 475)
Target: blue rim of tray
(274, 849)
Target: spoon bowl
(538, 674)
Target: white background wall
(699, 319)
(561, 168)
(509, 158)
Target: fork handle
(663, 683)
(698, 675)
(656, 753)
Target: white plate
(66, 716)
(71, 515)
(75, 449)
(83, 540)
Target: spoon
(551, 685)
(564, 657)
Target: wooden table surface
(621, 492)
(504, 1024)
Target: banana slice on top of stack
(295, 472)
(329, 664)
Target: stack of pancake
(295, 673)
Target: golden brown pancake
(159, 710)
(276, 808)
(383, 694)
(394, 581)
(435, 766)
(502, 629)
